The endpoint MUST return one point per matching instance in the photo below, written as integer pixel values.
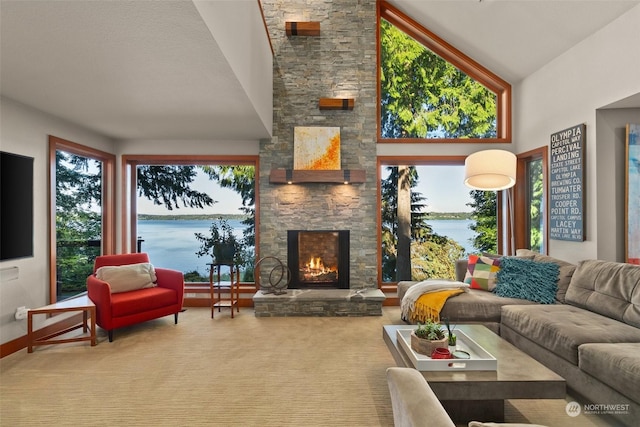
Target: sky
(227, 201)
(443, 187)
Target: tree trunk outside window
(403, 259)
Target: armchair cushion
(130, 277)
(129, 303)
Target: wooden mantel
(293, 176)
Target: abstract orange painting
(316, 148)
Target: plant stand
(222, 294)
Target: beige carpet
(247, 371)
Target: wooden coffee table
(480, 395)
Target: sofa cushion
(126, 303)
(477, 306)
(564, 275)
(130, 277)
(526, 279)
(609, 288)
(481, 272)
(561, 328)
(470, 307)
(616, 365)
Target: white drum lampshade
(490, 170)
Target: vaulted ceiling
(153, 70)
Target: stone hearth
(320, 303)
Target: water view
(172, 243)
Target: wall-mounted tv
(16, 206)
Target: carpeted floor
(247, 371)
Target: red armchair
(116, 310)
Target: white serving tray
(480, 359)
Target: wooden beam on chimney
(302, 28)
(336, 103)
(297, 176)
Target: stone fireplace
(339, 63)
(318, 259)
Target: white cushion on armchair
(129, 277)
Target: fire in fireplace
(318, 259)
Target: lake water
(172, 243)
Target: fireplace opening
(318, 259)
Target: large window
(429, 218)
(175, 201)
(431, 92)
(531, 229)
(81, 214)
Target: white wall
(568, 91)
(25, 131)
(239, 30)
(610, 155)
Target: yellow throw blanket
(428, 305)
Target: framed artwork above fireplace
(316, 148)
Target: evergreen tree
(170, 185)
(241, 179)
(424, 96)
(536, 189)
(78, 222)
(486, 220)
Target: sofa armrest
(413, 402)
(461, 269)
(171, 279)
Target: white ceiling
(127, 69)
(152, 70)
(514, 38)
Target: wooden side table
(216, 288)
(81, 303)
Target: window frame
(473, 69)
(108, 200)
(129, 187)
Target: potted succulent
(221, 243)
(427, 337)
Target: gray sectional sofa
(590, 335)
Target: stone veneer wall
(341, 62)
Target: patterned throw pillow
(482, 272)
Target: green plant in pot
(427, 337)
(221, 243)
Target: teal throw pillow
(527, 279)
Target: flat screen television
(16, 206)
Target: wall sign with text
(567, 184)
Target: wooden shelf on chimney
(286, 176)
(311, 28)
(336, 103)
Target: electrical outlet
(21, 313)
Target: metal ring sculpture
(278, 278)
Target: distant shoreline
(456, 216)
(212, 217)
